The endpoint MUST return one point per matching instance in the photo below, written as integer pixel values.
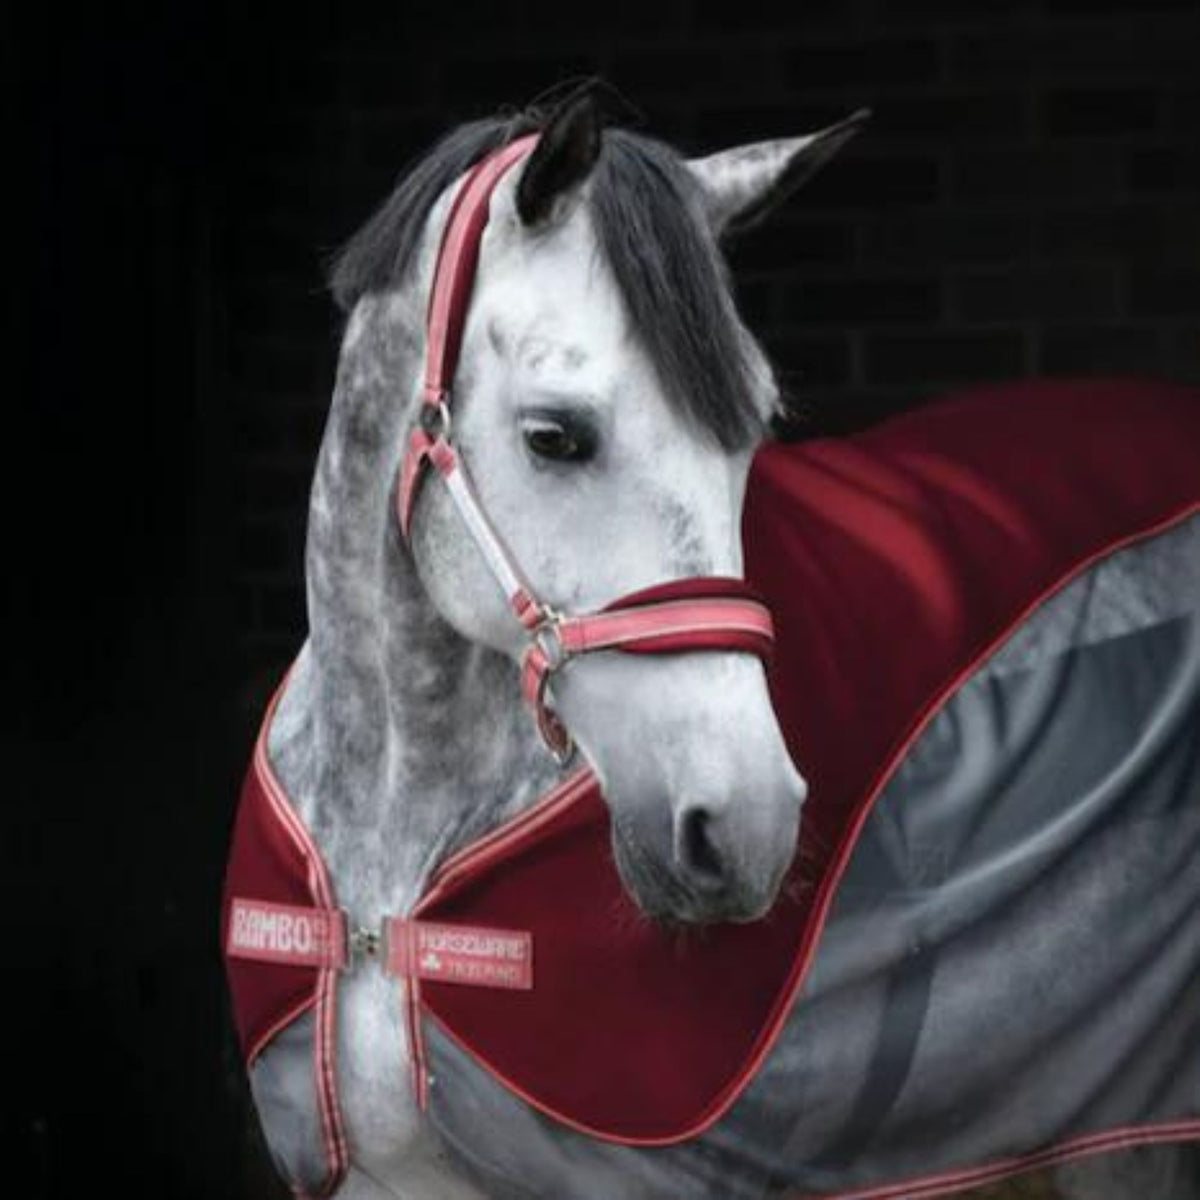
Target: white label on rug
(466, 954)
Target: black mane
(654, 237)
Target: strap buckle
(547, 654)
(434, 417)
(547, 633)
(366, 944)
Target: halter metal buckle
(547, 636)
(547, 633)
(366, 943)
(434, 418)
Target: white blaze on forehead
(551, 304)
(538, 353)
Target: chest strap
(406, 949)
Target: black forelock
(651, 230)
(377, 257)
(673, 278)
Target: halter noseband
(700, 613)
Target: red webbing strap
(667, 627)
(457, 259)
(412, 468)
(747, 626)
(686, 615)
(453, 278)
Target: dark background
(1026, 201)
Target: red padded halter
(700, 613)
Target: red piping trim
(483, 850)
(1095, 1143)
(442, 455)
(833, 876)
(327, 1099)
(517, 1090)
(281, 1024)
(324, 1044)
(936, 1185)
(559, 797)
(327, 1009)
(618, 638)
(416, 1040)
(412, 468)
(528, 610)
(457, 260)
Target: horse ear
(563, 157)
(740, 186)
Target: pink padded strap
(412, 467)
(453, 278)
(457, 259)
(536, 669)
(671, 626)
(679, 617)
(440, 453)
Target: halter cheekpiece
(698, 613)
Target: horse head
(608, 401)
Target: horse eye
(558, 440)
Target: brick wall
(1026, 200)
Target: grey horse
(610, 401)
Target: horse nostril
(698, 853)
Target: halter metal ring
(555, 735)
(435, 418)
(548, 636)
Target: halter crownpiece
(699, 613)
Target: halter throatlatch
(700, 613)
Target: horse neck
(396, 739)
